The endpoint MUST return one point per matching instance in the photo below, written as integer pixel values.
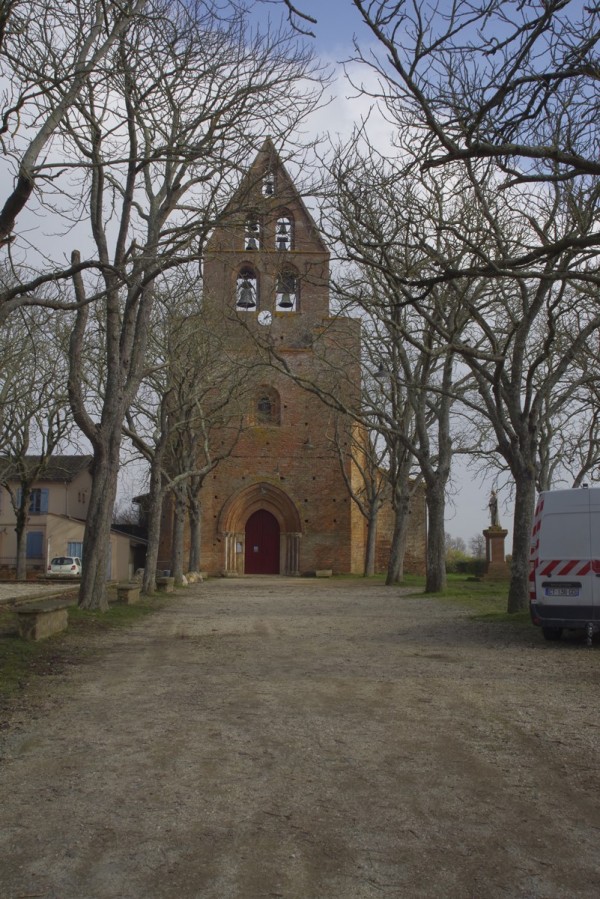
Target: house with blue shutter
(58, 509)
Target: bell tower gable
(266, 253)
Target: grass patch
(21, 660)
(410, 580)
(118, 615)
(482, 599)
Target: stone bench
(42, 619)
(324, 572)
(128, 593)
(165, 584)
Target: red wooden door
(262, 544)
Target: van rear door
(565, 581)
(595, 547)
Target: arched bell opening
(268, 183)
(287, 290)
(284, 232)
(252, 233)
(246, 290)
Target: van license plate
(562, 591)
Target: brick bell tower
(279, 503)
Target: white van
(564, 575)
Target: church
(280, 502)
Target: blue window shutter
(35, 543)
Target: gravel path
(307, 740)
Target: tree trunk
(178, 532)
(21, 572)
(395, 571)
(154, 521)
(96, 538)
(195, 519)
(435, 580)
(371, 543)
(518, 593)
(20, 530)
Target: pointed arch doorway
(277, 521)
(262, 543)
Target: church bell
(246, 299)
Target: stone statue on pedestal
(493, 507)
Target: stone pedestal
(496, 566)
(128, 593)
(165, 584)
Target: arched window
(286, 292)
(252, 233)
(246, 290)
(284, 233)
(265, 407)
(268, 406)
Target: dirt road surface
(302, 739)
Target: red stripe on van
(569, 566)
(563, 567)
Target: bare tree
(516, 331)
(570, 425)
(190, 390)
(386, 222)
(523, 338)
(48, 55)
(508, 83)
(364, 479)
(477, 546)
(161, 135)
(34, 412)
(209, 398)
(42, 81)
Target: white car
(65, 566)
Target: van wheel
(552, 633)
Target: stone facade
(279, 503)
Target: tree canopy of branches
(509, 83)
(385, 218)
(499, 102)
(34, 410)
(190, 389)
(48, 53)
(523, 343)
(156, 142)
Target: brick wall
(292, 458)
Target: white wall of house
(50, 533)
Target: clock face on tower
(265, 318)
